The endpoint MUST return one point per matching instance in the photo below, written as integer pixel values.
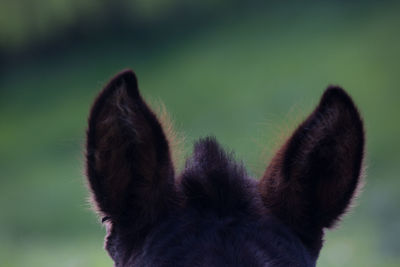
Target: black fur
(213, 213)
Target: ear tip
(338, 99)
(336, 95)
(124, 79)
(335, 91)
(127, 76)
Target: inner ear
(313, 177)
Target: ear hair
(176, 139)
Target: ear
(314, 176)
(128, 160)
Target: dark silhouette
(213, 213)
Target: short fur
(213, 213)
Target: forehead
(196, 239)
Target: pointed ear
(128, 160)
(314, 176)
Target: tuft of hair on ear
(314, 176)
(273, 134)
(176, 139)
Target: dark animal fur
(213, 213)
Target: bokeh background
(245, 71)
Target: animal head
(213, 213)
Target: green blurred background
(245, 71)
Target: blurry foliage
(248, 76)
(26, 22)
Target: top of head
(213, 213)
